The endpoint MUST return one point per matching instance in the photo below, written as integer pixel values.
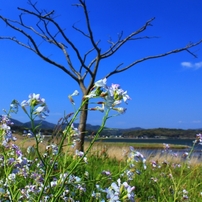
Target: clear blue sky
(165, 92)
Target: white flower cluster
(113, 96)
(37, 104)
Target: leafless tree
(60, 39)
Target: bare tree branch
(144, 37)
(43, 35)
(18, 42)
(119, 39)
(186, 48)
(52, 40)
(79, 30)
(48, 14)
(115, 46)
(35, 48)
(77, 5)
(191, 53)
(61, 32)
(69, 62)
(84, 59)
(89, 27)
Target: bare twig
(89, 27)
(79, 30)
(120, 42)
(34, 48)
(186, 48)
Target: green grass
(163, 183)
(166, 178)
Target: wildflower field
(44, 171)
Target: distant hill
(135, 132)
(48, 125)
(16, 122)
(43, 124)
(135, 128)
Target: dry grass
(25, 142)
(120, 152)
(168, 158)
(111, 150)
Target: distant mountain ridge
(43, 124)
(48, 125)
(135, 132)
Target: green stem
(7, 172)
(191, 151)
(60, 148)
(33, 129)
(88, 149)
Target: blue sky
(165, 92)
